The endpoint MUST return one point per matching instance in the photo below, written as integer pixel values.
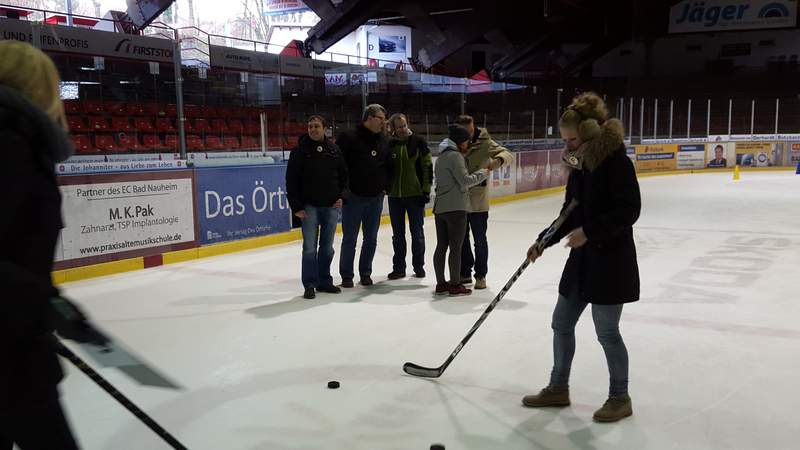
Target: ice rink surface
(714, 342)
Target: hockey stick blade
(427, 372)
(419, 371)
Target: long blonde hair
(30, 72)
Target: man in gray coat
(483, 152)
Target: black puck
(333, 385)
(437, 447)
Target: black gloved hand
(70, 323)
(424, 199)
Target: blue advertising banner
(241, 202)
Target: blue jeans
(606, 325)
(319, 225)
(478, 223)
(398, 207)
(360, 213)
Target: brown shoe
(548, 396)
(480, 283)
(614, 409)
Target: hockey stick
(62, 350)
(436, 372)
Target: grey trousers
(451, 227)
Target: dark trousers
(398, 208)
(478, 223)
(450, 229)
(359, 213)
(36, 425)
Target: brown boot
(548, 396)
(614, 409)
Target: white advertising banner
(126, 165)
(691, 16)
(88, 42)
(691, 156)
(105, 216)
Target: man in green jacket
(410, 190)
(483, 153)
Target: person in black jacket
(369, 168)
(316, 182)
(602, 267)
(32, 140)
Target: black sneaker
(366, 281)
(347, 282)
(309, 294)
(331, 289)
(395, 275)
(466, 279)
(419, 273)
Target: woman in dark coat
(602, 269)
(32, 141)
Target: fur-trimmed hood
(593, 152)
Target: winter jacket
(412, 167)
(481, 150)
(31, 145)
(316, 174)
(604, 270)
(368, 161)
(453, 181)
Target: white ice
(714, 342)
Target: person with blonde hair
(602, 269)
(33, 139)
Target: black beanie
(458, 134)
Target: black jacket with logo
(368, 161)
(316, 174)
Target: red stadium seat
(98, 123)
(170, 110)
(72, 107)
(192, 111)
(134, 109)
(93, 107)
(151, 141)
(218, 126)
(194, 142)
(250, 142)
(116, 108)
(122, 124)
(83, 145)
(200, 125)
(106, 143)
(151, 109)
(129, 142)
(164, 125)
(210, 112)
(144, 124)
(230, 142)
(171, 142)
(76, 123)
(214, 143)
(235, 126)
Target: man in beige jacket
(484, 153)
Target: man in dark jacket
(316, 181)
(368, 165)
(602, 267)
(409, 192)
